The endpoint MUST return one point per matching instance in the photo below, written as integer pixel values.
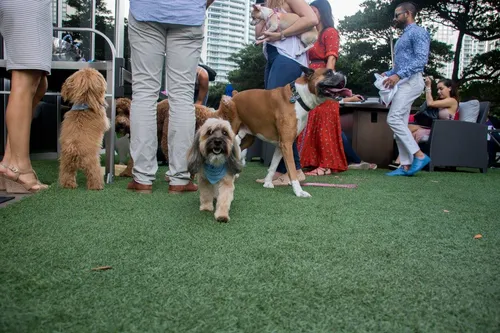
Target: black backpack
(211, 73)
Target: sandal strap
(27, 185)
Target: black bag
(425, 116)
(211, 73)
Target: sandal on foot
(16, 185)
(319, 172)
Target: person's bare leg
(27, 88)
(42, 89)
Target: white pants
(398, 116)
(178, 47)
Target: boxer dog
(277, 21)
(279, 115)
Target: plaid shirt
(183, 12)
(412, 52)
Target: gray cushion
(469, 111)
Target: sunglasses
(396, 15)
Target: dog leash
(330, 185)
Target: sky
(340, 8)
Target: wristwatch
(282, 35)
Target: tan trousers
(179, 48)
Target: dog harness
(214, 173)
(79, 107)
(296, 97)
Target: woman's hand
(428, 82)
(269, 37)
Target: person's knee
(42, 88)
(26, 81)
(394, 121)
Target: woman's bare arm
(330, 62)
(307, 20)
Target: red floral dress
(320, 143)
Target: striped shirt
(411, 52)
(183, 12)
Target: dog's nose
(218, 142)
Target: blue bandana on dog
(79, 107)
(214, 173)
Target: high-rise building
(227, 30)
(470, 48)
(446, 34)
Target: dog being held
(277, 21)
(83, 128)
(279, 115)
(215, 158)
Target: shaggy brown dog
(215, 158)
(202, 113)
(83, 128)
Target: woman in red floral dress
(320, 143)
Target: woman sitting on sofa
(447, 104)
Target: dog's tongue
(344, 92)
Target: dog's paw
(222, 218)
(261, 37)
(268, 185)
(70, 185)
(206, 208)
(302, 194)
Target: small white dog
(215, 158)
(276, 21)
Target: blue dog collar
(80, 107)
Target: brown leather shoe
(177, 189)
(140, 188)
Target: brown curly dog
(202, 113)
(83, 128)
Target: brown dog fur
(82, 131)
(202, 113)
(270, 115)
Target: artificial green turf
(384, 257)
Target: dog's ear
(255, 6)
(307, 71)
(67, 89)
(195, 159)
(234, 165)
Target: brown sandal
(18, 186)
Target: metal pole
(119, 29)
(391, 41)
(92, 26)
(59, 17)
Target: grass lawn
(393, 255)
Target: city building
(227, 30)
(470, 48)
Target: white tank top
(289, 48)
